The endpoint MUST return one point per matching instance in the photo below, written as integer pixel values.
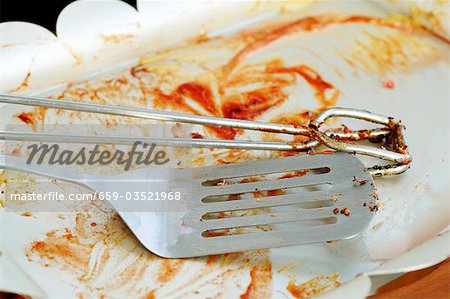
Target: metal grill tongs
(389, 141)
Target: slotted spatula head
(262, 204)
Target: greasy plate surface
(285, 71)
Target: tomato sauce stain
(316, 81)
(250, 105)
(325, 152)
(251, 285)
(314, 286)
(27, 117)
(201, 95)
(294, 174)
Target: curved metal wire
(396, 139)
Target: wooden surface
(429, 283)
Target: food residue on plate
(235, 77)
(314, 286)
(345, 211)
(388, 83)
(287, 267)
(106, 260)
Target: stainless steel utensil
(392, 132)
(236, 207)
(263, 204)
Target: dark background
(41, 12)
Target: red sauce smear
(251, 285)
(216, 233)
(298, 173)
(27, 117)
(388, 83)
(325, 152)
(224, 133)
(395, 25)
(276, 192)
(346, 129)
(25, 83)
(314, 79)
(197, 136)
(199, 93)
(300, 119)
(250, 105)
(306, 25)
(150, 295)
(136, 70)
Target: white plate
(413, 206)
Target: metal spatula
(270, 203)
(262, 204)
